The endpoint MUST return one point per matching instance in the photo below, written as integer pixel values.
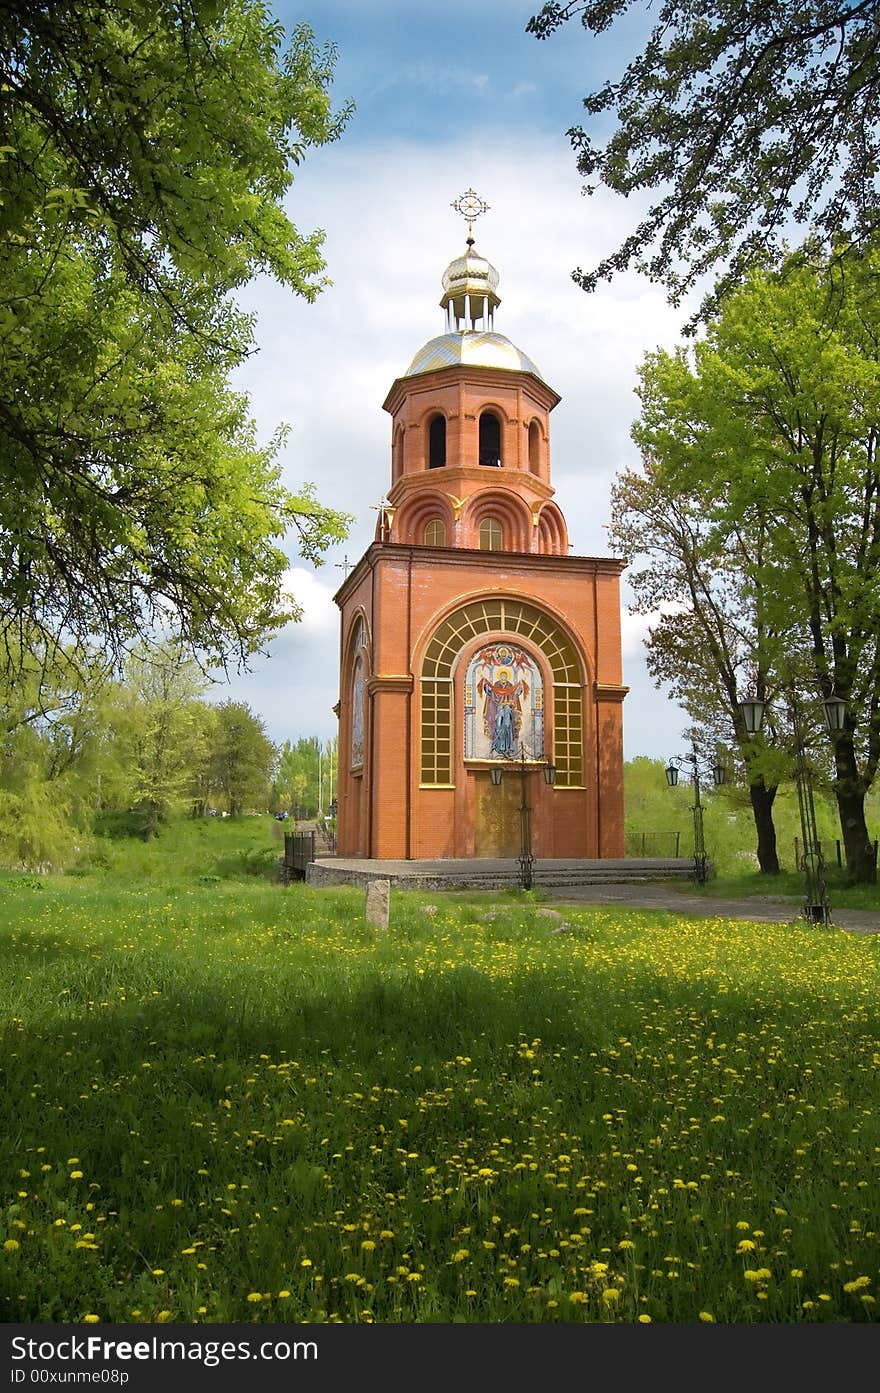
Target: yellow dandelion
(91, 1318)
(11, 1245)
(857, 1284)
(644, 1318)
(254, 1296)
(707, 1317)
(610, 1295)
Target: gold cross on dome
(471, 207)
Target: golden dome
(470, 274)
(471, 348)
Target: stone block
(378, 901)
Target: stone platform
(497, 874)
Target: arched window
(435, 533)
(397, 454)
(437, 442)
(490, 438)
(534, 446)
(491, 535)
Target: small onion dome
(470, 283)
(470, 274)
(473, 349)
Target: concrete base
(500, 874)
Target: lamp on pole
(496, 773)
(718, 774)
(816, 907)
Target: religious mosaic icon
(503, 704)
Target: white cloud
(320, 615)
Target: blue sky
(448, 97)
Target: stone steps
(476, 875)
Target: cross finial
(471, 207)
(344, 566)
(386, 517)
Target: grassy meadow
(227, 1101)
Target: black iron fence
(642, 844)
(299, 850)
(825, 851)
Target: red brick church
(470, 637)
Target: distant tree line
(78, 743)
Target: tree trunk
(762, 809)
(849, 790)
(861, 861)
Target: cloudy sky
(449, 96)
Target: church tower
(471, 639)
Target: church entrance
(497, 830)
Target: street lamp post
(816, 907)
(718, 774)
(496, 773)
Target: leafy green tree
(291, 780)
(145, 152)
(52, 754)
(242, 758)
(159, 731)
(770, 431)
(698, 581)
(743, 118)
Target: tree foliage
(698, 580)
(241, 758)
(743, 118)
(770, 432)
(145, 150)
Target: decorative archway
(508, 619)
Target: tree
(159, 731)
(242, 758)
(145, 149)
(699, 583)
(52, 755)
(744, 118)
(772, 433)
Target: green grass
(225, 1101)
(788, 885)
(188, 849)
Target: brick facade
(417, 616)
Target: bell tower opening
(437, 442)
(490, 438)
